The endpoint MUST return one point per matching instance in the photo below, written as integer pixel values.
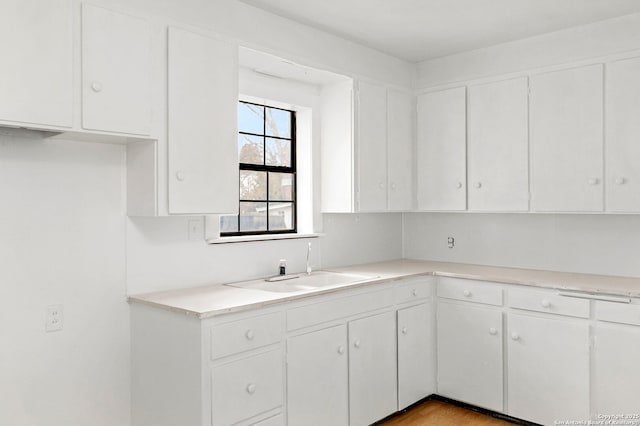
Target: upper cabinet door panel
(498, 149)
(203, 123)
(441, 150)
(372, 147)
(36, 78)
(566, 140)
(116, 72)
(622, 136)
(400, 119)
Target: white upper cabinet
(367, 148)
(372, 146)
(566, 140)
(400, 124)
(498, 150)
(36, 78)
(116, 72)
(202, 98)
(441, 150)
(622, 150)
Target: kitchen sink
(303, 282)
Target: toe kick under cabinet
(350, 357)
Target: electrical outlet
(54, 318)
(195, 230)
(451, 242)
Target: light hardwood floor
(440, 413)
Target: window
(267, 175)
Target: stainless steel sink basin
(303, 282)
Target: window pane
(278, 152)
(278, 123)
(228, 223)
(253, 185)
(280, 216)
(253, 216)
(281, 186)
(251, 149)
(250, 118)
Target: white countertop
(209, 301)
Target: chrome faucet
(308, 256)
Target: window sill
(248, 238)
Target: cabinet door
(203, 99)
(317, 378)
(372, 369)
(416, 354)
(566, 140)
(116, 72)
(498, 147)
(441, 150)
(469, 343)
(548, 369)
(36, 74)
(622, 150)
(400, 118)
(616, 381)
(372, 147)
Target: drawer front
(246, 334)
(414, 289)
(470, 291)
(618, 312)
(246, 388)
(341, 307)
(549, 302)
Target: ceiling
(417, 30)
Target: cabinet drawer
(246, 334)
(245, 388)
(342, 307)
(547, 301)
(470, 291)
(618, 312)
(414, 289)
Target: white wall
(596, 244)
(62, 241)
(160, 255)
(603, 38)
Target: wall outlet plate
(54, 318)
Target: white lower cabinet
(317, 378)
(372, 369)
(548, 368)
(616, 380)
(469, 344)
(416, 354)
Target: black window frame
(273, 169)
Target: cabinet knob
(593, 181)
(459, 185)
(404, 330)
(251, 388)
(620, 181)
(478, 185)
(466, 293)
(415, 292)
(96, 86)
(393, 186)
(381, 185)
(493, 331)
(180, 175)
(340, 349)
(356, 343)
(545, 303)
(249, 334)
(515, 336)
